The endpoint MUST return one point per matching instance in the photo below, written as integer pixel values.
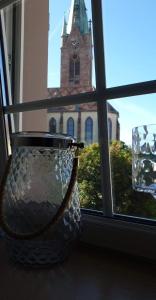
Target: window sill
(128, 237)
(89, 273)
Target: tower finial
(78, 17)
(64, 29)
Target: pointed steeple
(64, 29)
(78, 17)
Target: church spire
(64, 29)
(76, 49)
(78, 17)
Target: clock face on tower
(75, 44)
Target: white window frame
(123, 233)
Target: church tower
(80, 120)
(76, 49)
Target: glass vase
(144, 159)
(38, 178)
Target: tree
(121, 160)
(89, 177)
(125, 199)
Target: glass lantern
(40, 201)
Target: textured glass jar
(37, 182)
(144, 159)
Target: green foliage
(89, 177)
(126, 200)
(121, 159)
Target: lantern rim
(41, 139)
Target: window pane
(71, 68)
(134, 198)
(38, 67)
(129, 41)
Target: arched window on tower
(74, 69)
(52, 125)
(70, 127)
(109, 129)
(89, 130)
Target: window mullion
(51, 102)
(102, 105)
(3, 142)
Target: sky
(130, 54)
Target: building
(79, 121)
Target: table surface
(89, 273)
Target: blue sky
(130, 54)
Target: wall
(35, 62)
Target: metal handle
(77, 145)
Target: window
(99, 95)
(70, 126)
(89, 130)
(52, 125)
(74, 69)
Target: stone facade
(82, 50)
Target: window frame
(103, 229)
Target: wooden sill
(89, 273)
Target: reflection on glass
(134, 112)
